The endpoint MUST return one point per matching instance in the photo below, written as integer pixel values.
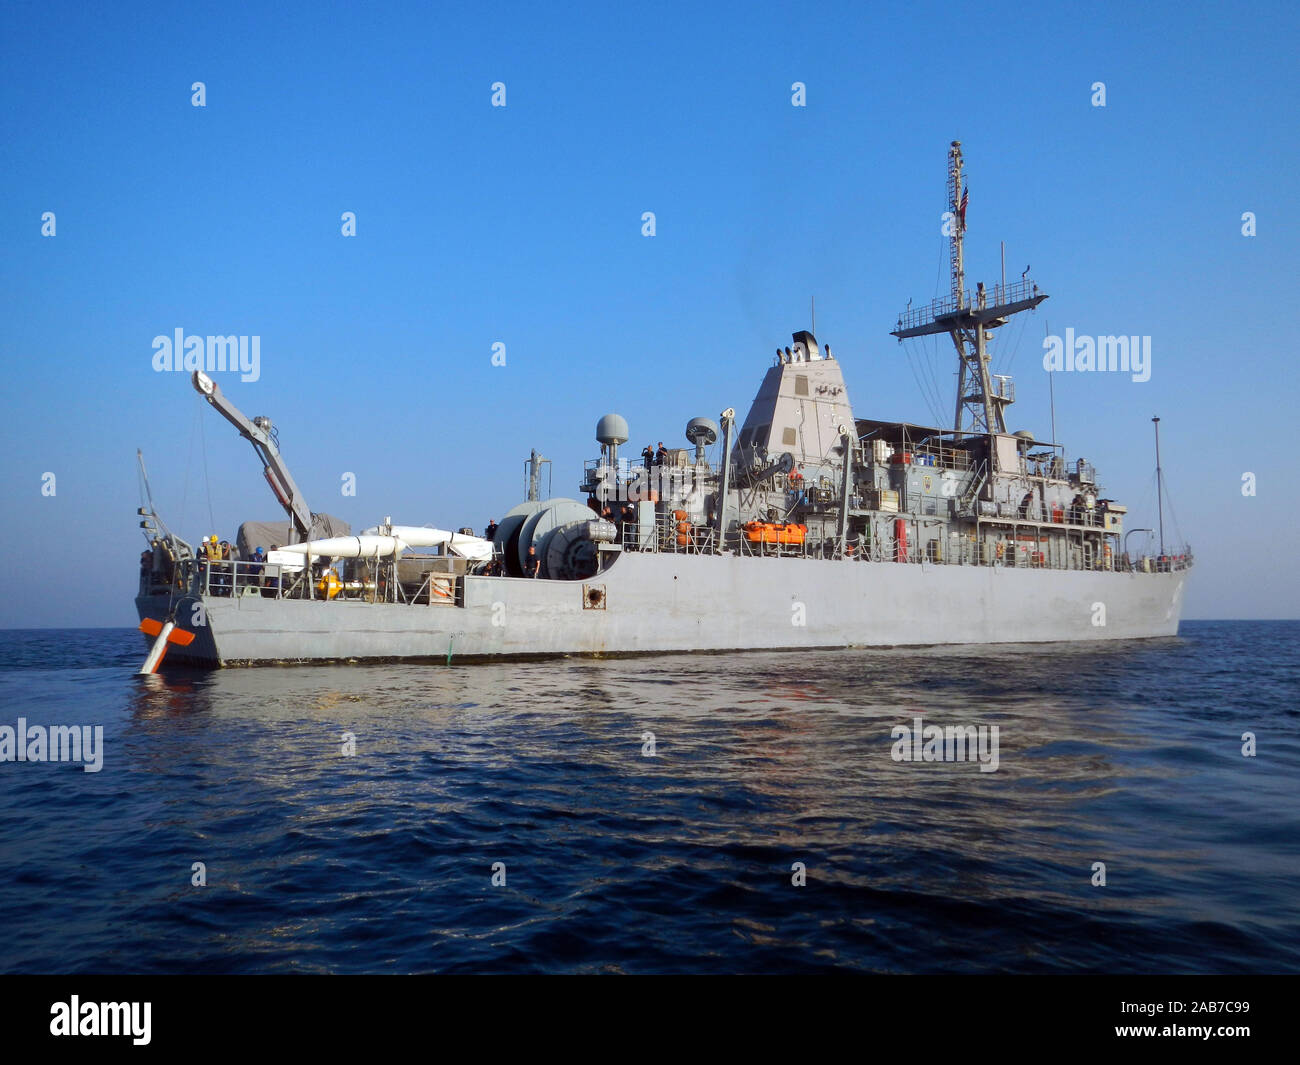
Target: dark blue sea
(614, 861)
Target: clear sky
(522, 225)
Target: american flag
(965, 198)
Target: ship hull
(651, 602)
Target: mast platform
(990, 308)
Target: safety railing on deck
(952, 458)
(1021, 550)
(232, 578)
(223, 579)
(671, 535)
(998, 295)
(631, 482)
(1067, 516)
(229, 579)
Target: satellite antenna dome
(612, 429)
(702, 431)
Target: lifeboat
(771, 532)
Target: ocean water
(684, 861)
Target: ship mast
(981, 406)
(1160, 490)
(957, 222)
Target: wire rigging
(212, 521)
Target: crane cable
(212, 521)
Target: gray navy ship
(812, 528)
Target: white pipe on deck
(364, 546)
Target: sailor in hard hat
(208, 554)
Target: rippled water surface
(1127, 754)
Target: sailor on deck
(271, 584)
(209, 556)
(224, 568)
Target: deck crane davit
(261, 434)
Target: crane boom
(258, 432)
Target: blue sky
(522, 225)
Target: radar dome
(611, 429)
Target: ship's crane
(261, 434)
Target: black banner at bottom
(148, 1014)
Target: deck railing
(996, 295)
(229, 579)
(223, 579)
